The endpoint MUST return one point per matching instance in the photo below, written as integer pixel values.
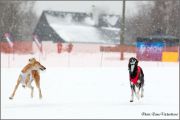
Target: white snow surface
(80, 86)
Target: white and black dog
(136, 78)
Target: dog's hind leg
(142, 88)
(18, 82)
(142, 83)
(142, 92)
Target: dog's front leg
(32, 90)
(132, 93)
(137, 93)
(138, 89)
(37, 82)
(40, 94)
(18, 82)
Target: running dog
(29, 73)
(136, 78)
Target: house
(77, 27)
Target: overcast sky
(86, 6)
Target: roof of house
(77, 27)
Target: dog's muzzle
(43, 68)
(132, 65)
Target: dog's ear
(131, 58)
(137, 62)
(32, 60)
(128, 66)
(129, 63)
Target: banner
(150, 51)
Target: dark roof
(165, 38)
(44, 31)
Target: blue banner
(150, 50)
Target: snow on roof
(82, 32)
(112, 20)
(111, 28)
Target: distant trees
(17, 17)
(161, 15)
(9, 17)
(166, 16)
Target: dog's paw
(40, 97)
(10, 98)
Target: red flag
(9, 39)
(38, 43)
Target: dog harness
(135, 79)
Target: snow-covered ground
(92, 85)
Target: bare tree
(14, 20)
(141, 24)
(163, 15)
(9, 19)
(29, 20)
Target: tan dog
(29, 73)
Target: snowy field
(91, 86)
